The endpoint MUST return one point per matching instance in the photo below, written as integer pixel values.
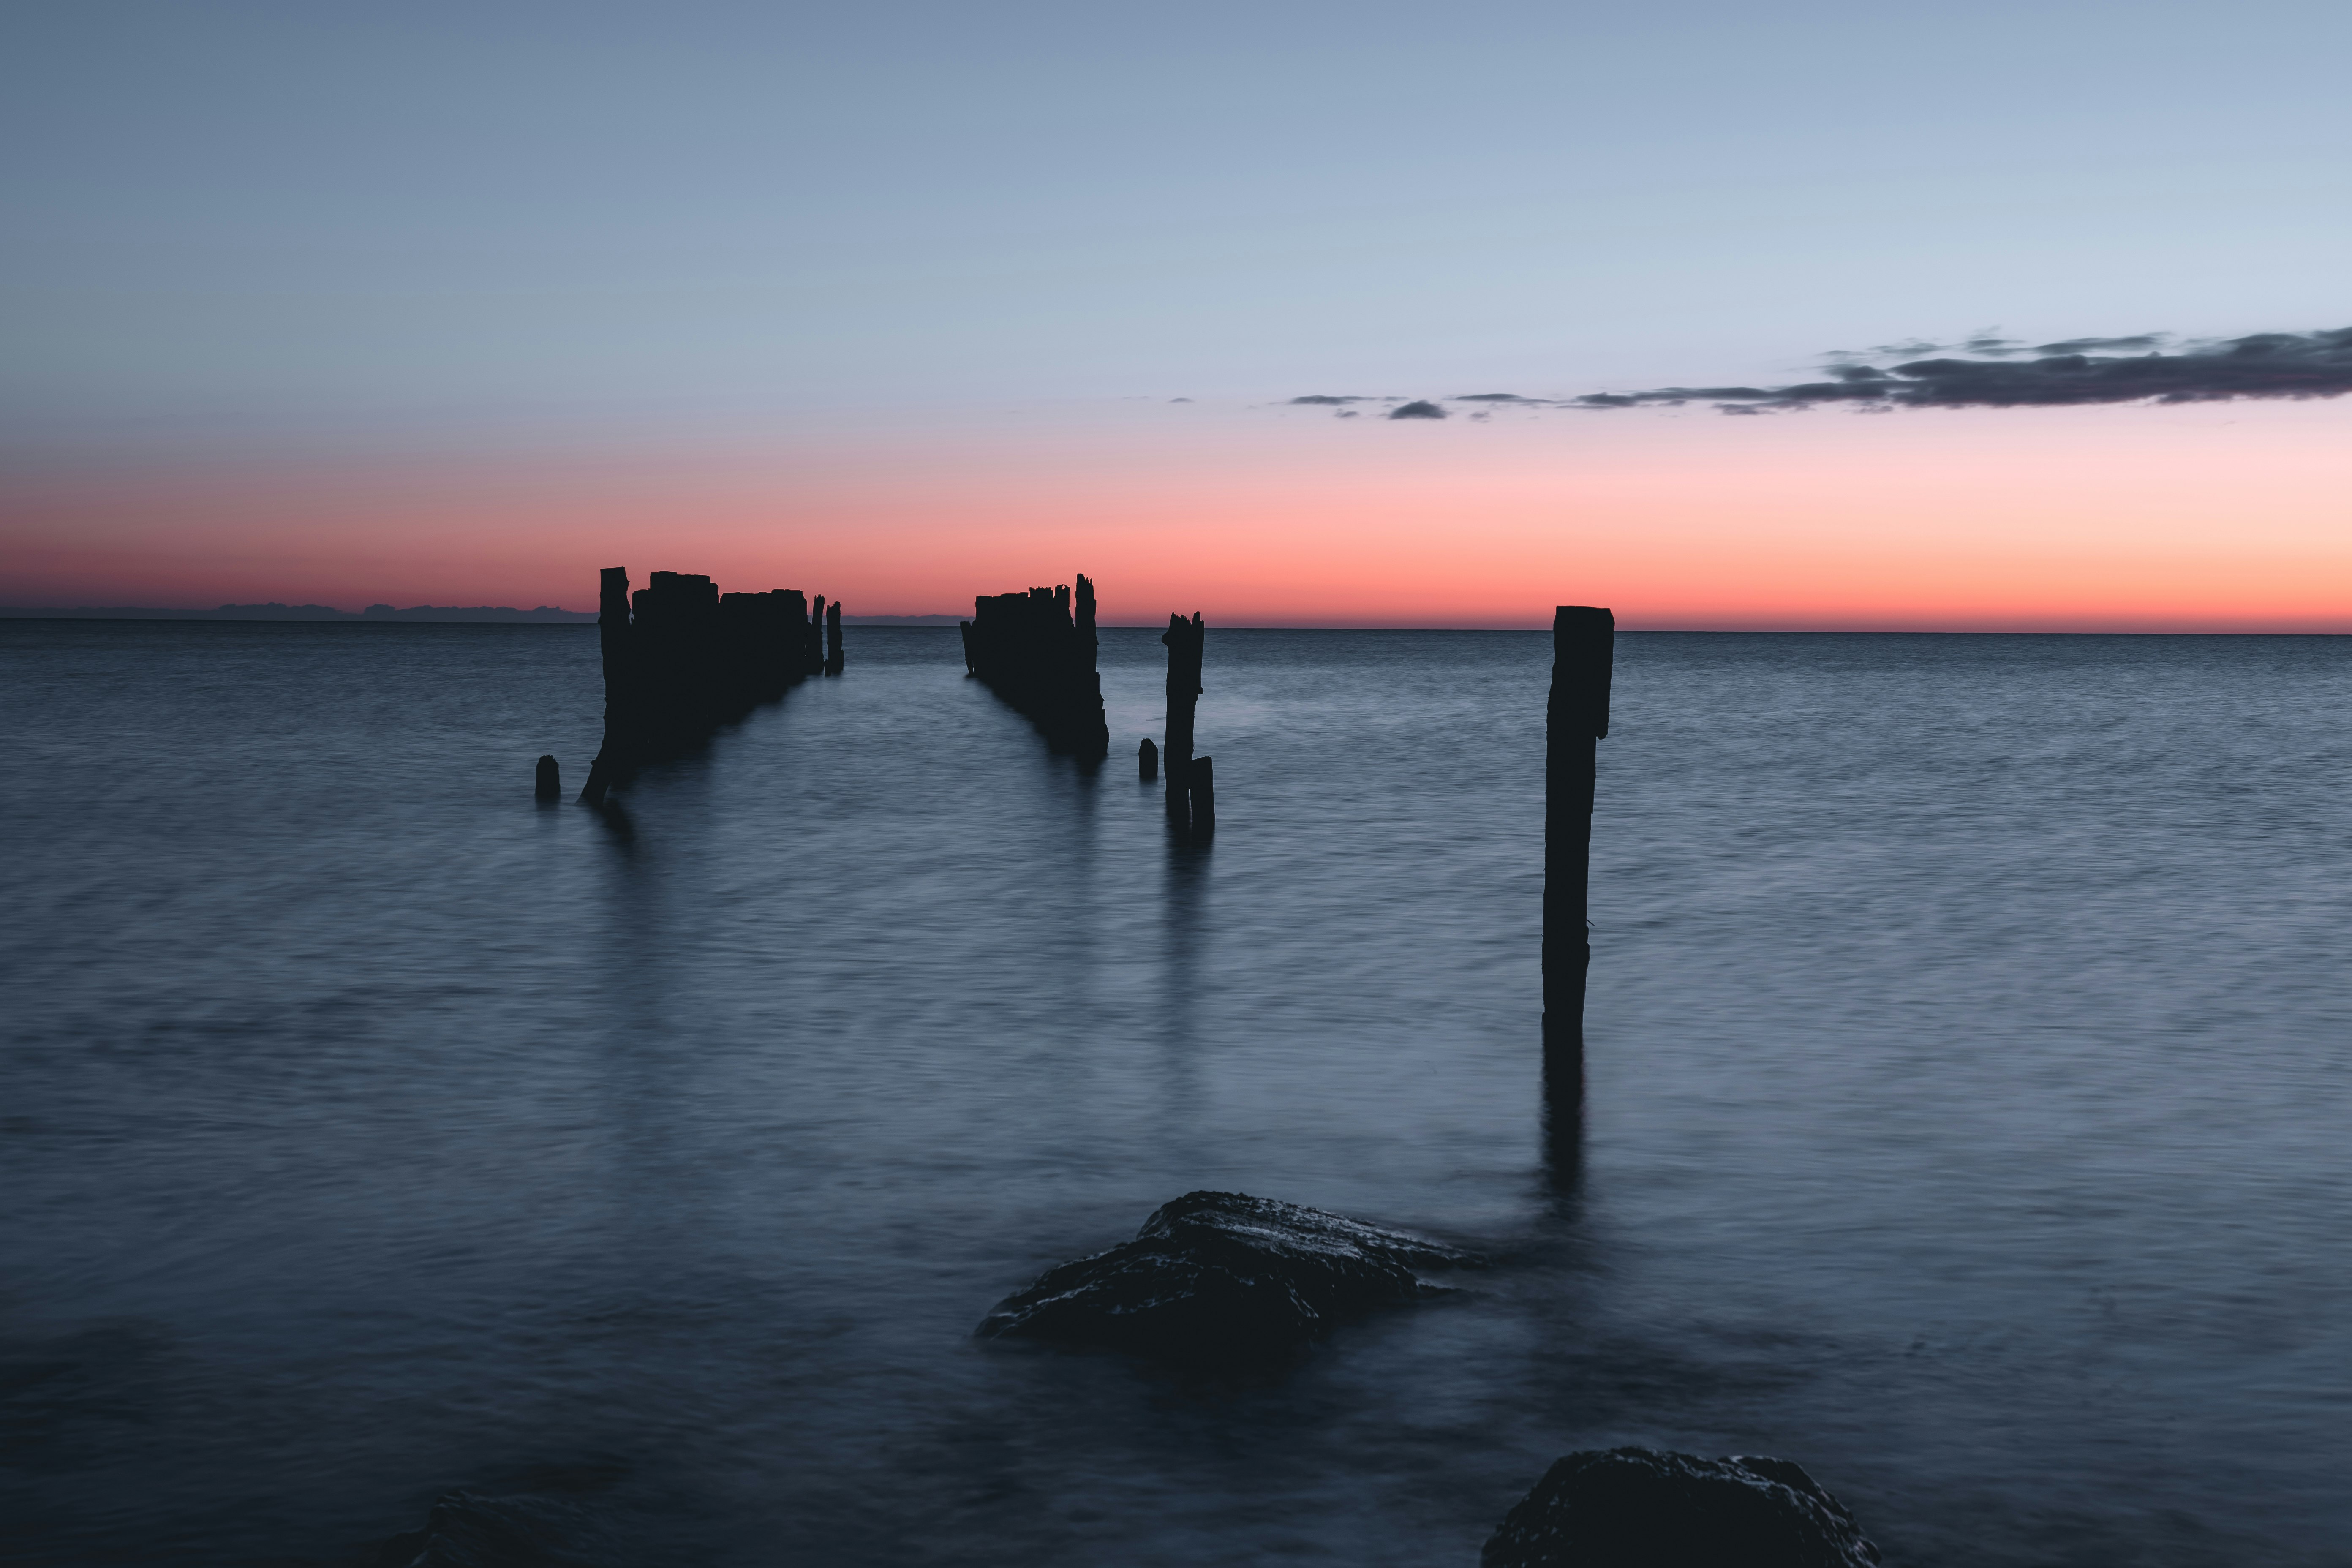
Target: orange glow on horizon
(2208, 518)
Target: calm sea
(1970, 1112)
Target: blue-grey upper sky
(268, 222)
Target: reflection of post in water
(1583, 642)
(1563, 1124)
(617, 825)
(1181, 904)
(648, 1192)
(1080, 898)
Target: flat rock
(1641, 1507)
(468, 1530)
(1224, 1280)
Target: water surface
(1967, 1114)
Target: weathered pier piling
(1583, 644)
(1201, 796)
(549, 784)
(1038, 651)
(1184, 639)
(681, 658)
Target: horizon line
(326, 615)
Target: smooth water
(1968, 1097)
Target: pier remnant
(1200, 786)
(1184, 639)
(680, 660)
(1147, 761)
(1038, 651)
(833, 656)
(1583, 641)
(550, 785)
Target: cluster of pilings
(682, 659)
(1191, 781)
(1036, 650)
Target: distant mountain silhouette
(474, 612)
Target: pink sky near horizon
(2206, 518)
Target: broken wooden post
(1202, 787)
(1183, 638)
(1089, 725)
(833, 637)
(1146, 760)
(550, 784)
(1583, 642)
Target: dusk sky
(458, 304)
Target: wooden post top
(1584, 648)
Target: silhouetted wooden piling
(680, 659)
(1200, 785)
(1184, 639)
(549, 785)
(1583, 644)
(620, 683)
(1146, 760)
(1084, 676)
(833, 656)
(1037, 650)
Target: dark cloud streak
(2264, 364)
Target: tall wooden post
(1183, 638)
(1089, 726)
(1583, 644)
(833, 637)
(620, 683)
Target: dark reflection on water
(1963, 1116)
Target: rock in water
(1639, 1508)
(1223, 1281)
(466, 1530)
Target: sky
(456, 304)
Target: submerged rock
(466, 1530)
(1218, 1280)
(1639, 1508)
